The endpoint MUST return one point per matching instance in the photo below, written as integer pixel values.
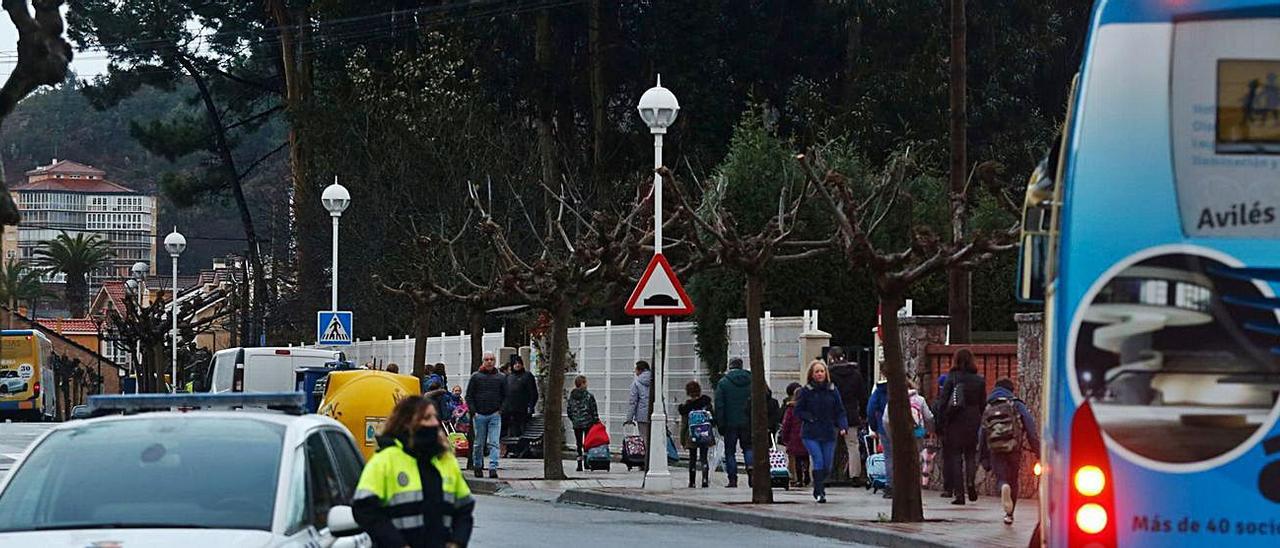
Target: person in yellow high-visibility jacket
(412, 492)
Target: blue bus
(1152, 236)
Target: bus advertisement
(26, 383)
(1151, 235)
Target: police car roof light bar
(290, 402)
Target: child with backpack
(1005, 422)
(796, 453)
(697, 432)
(583, 413)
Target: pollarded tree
(75, 257)
(865, 209)
(750, 218)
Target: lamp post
(175, 244)
(335, 199)
(658, 108)
(139, 287)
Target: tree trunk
(761, 490)
(553, 401)
(475, 319)
(77, 293)
(595, 49)
(907, 505)
(223, 145)
(852, 49)
(421, 332)
(958, 279)
(545, 104)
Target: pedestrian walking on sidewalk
(486, 393)
(853, 391)
(797, 455)
(412, 492)
(822, 420)
(698, 448)
(963, 401)
(948, 485)
(638, 403)
(1005, 423)
(922, 423)
(732, 419)
(582, 413)
(876, 407)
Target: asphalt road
(502, 521)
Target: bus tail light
(35, 390)
(1037, 469)
(1092, 498)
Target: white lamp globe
(658, 108)
(335, 198)
(175, 243)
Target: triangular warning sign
(659, 293)
(335, 331)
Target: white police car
(251, 477)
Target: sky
(86, 64)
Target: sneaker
(733, 483)
(959, 501)
(973, 493)
(1008, 519)
(947, 495)
(479, 473)
(493, 474)
(1006, 502)
(822, 499)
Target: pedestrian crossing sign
(333, 328)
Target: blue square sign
(333, 328)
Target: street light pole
(140, 276)
(175, 243)
(335, 199)
(658, 108)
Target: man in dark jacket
(522, 396)
(486, 392)
(963, 398)
(847, 377)
(732, 393)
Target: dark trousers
(514, 423)
(698, 461)
(578, 435)
(1006, 467)
(961, 460)
(736, 436)
(948, 483)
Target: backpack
(700, 429)
(1003, 425)
(917, 417)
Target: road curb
(754, 518)
(486, 486)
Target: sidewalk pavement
(851, 514)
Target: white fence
(606, 355)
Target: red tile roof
(115, 291)
(60, 184)
(69, 325)
(68, 167)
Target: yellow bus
(27, 387)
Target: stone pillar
(1030, 381)
(811, 344)
(916, 333)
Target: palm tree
(17, 284)
(75, 256)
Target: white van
(266, 369)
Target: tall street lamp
(658, 108)
(175, 244)
(335, 199)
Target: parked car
(194, 478)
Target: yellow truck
(362, 400)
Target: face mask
(426, 442)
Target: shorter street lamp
(175, 244)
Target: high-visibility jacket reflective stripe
(392, 477)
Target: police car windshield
(153, 472)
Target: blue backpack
(700, 429)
